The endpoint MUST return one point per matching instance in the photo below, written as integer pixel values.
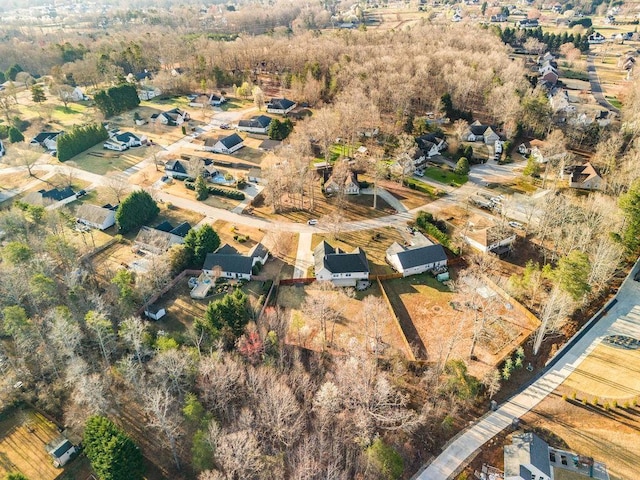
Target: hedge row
(79, 139)
(117, 100)
(219, 192)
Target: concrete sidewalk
(456, 455)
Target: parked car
(313, 221)
(515, 225)
(225, 126)
(81, 193)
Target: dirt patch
(409, 198)
(227, 231)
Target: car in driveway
(516, 225)
(225, 126)
(313, 221)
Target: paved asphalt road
(615, 321)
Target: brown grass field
(305, 331)
(424, 303)
(607, 373)
(23, 437)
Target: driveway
(304, 255)
(618, 319)
(596, 87)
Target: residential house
(172, 118)
(549, 75)
(547, 57)
(154, 312)
(628, 62)
(498, 18)
(529, 457)
(595, 38)
(348, 184)
(176, 169)
(49, 197)
(257, 124)
(478, 132)
(603, 118)
(490, 238)
(528, 23)
(113, 144)
(129, 139)
(416, 259)
(147, 92)
(97, 217)
(47, 140)
(585, 177)
(341, 268)
(156, 241)
(431, 144)
(201, 100)
(281, 106)
(559, 101)
(61, 452)
(76, 95)
(254, 175)
(228, 144)
(227, 262)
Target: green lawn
(100, 161)
(614, 101)
(446, 176)
(415, 184)
(62, 114)
(235, 103)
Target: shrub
(564, 397)
(233, 194)
(573, 395)
(80, 139)
(595, 402)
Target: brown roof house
(585, 177)
(489, 237)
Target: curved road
(619, 319)
(596, 87)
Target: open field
(426, 304)
(24, 435)
(445, 175)
(305, 331)
(99, 160)
(607, 373)
(609, 436)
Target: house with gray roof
(48, 197)
(339, 267)
(228, 144)
(156, 241)
(47, 140)
(61, 452)
(227, 262)
(281, 106)
(257, 124)
(416, 259)
(96, 217)
(530, 457)
(478, 132)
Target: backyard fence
(408, 349)
(168, 287)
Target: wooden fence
(168, 287)
(410, 356)
(297, 281)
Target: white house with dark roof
(257, 124)
(490, 239)
(61, 452)
(172, 118)
(156, 241)
(416, 259)
(232, 264)
(348, 185)
(229, 144)
(478, 132)
(281, 106)
(47, 140)
(96, 217)
(341, 268)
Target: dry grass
(100, 161)
(226, 231)
(24, 435)
(422, 301)
(305, 331)
(410, 198)
(607, 373)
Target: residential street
(618, 320)
(596, 87)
